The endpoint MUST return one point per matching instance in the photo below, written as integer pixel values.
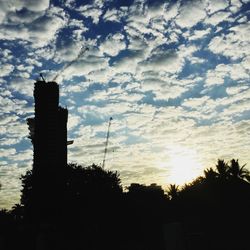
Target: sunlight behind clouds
(174, 76)
(184, 164)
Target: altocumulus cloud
(174, 76)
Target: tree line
(91, 210)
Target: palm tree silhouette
(173, 191)
(222, 169)
(210, 174)
(238, 172)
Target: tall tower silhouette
(48, 133)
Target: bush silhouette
(95, 213)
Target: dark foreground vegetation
(90, 210)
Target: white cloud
(166, 92)
(84, 67)
(145, 30)
(169, 61)
(116, 94)
(160, 42)
(22, 85)
(5, 119)
(6, 55)
(242, 19)
(198, 34)
(31, 62)
(69, 52)
(113, 44)
(216, 76)
(191, 13)
(218, 17)
(4, 152)
(136, 42)
(128, 64)
(195, 102)
(163, 89)
(214, 6)
(234, 71)
(5, 92)
(9, 141)
(14, 6)
(238, 72)
(28, 69)
(235, 44)
(236, 109)
(157, 10)
(172, 11)
(22, 156)
(196, 60)
(236, 98)
(111, 15)
(35, 6)
(39, 32)
(6, 69)
(246, 62)
(22, 17)
(69, 89)
(17, 129)
(7, 104)
(235, 90)
(76, 23)
(235, 5)
(73, 121)
(89, 11)
(114, 15)
(11, 183)
(110, 109)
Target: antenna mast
(106, 143)
(41, 75)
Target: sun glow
(184, 165)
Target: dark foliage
(93, 212)
(212, 205)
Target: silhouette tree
(222, 169)
(95, 212)
(225, 171)
(173, 191)
(210, 174)
(146, 210)
(17, 212)
(90, 205)
(238, 172)
(213, 203)
(27, 188)
(92, 199)
(82, 186)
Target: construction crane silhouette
(106, 143)
(82, 51)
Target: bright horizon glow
(184, 165)
(174, 76)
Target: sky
(173, 75)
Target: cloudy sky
(174, 75)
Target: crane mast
(82, 51)
(106, 143)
